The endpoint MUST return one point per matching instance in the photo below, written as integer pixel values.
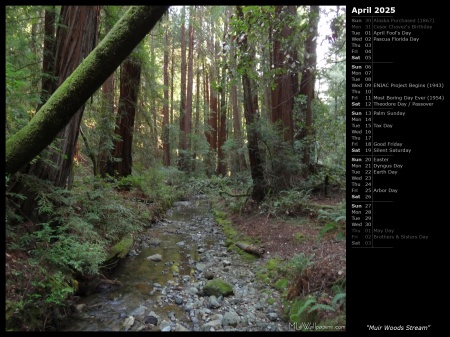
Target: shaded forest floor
(313, 233)
(284, 237)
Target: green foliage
(287, 203)
(79, 228)
(157, 184)
(300, 310)
(69, 249)
(59, 287)
(23, 65)
(153, 185)
(299, 237)
(281, 284)
(299, 263)
(310, 310)
(336, 220)
(269, 273)
(340, 297)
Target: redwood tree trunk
(222, 132)
(76, 38)
(213, 107)
(189, 92)
(48, 59)
(130, 74)
(236, 116)
(250, 112)
(284, 58)
(165, 132)
(307, 86)
(107, 111)
(183, 145)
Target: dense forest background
(245, 103)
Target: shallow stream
(164, 293)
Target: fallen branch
(103, 279)
(259, 251)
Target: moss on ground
(233, 236)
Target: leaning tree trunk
(54, 115)
(75, 39)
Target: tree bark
(130, 74)
(165, 131)
(107, 112)
(222, 132)
(307, 86)
(250, 112)
(183, 145)
(189, 92)
(283, 58)
(241, 165)
(56, 113)
(48, 59)
(75, 38)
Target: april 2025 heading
(377, 10)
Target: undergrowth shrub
(334, 220)
(287, 203)
(72, 236)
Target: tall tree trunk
(107, 112)
(154, 108)
(172, 73)
(237, 133)
(307, 86)
(165, 127)
(190, 84)
(206, 102)
(288, 85)
(48, 58)
(130, 74)
(213, 103)
(183, 145)
(250, 112)
(222, 132)
(283, 95)
(29, 141)
(76, 38)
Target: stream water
(163, 293)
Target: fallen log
(259, 251)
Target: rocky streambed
(181, 277)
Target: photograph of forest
(175, 168)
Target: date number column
(361, 128)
